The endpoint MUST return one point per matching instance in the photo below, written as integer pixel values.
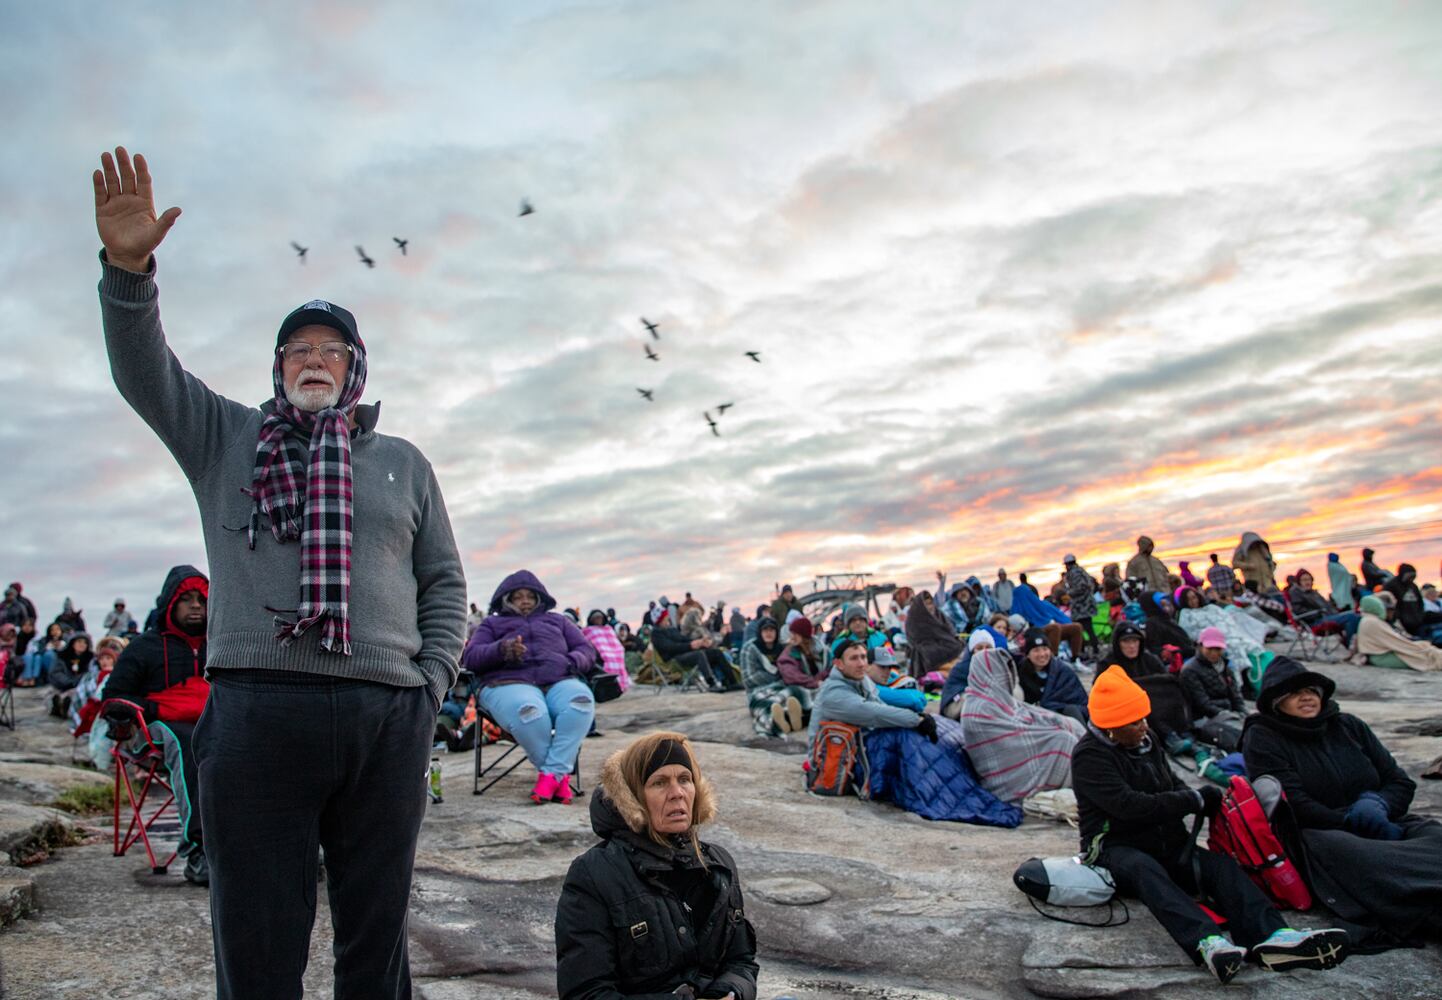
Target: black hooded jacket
(1325, 763)
(1411, 614)
(164, 658)
(636, 920)
(1144, 664)
(1129, 799)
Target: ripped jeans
(530, 714)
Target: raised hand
(125, 211)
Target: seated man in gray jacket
(848, 695)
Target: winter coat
(934, 780)
(781, 607)
(797, 671)
(1081, 590)
(1210, 690)
(624, 932)
(1410, 613)
(1145, 664)
(670, 642)
(1148, 568)
(1324, 765)
(1001, 592)
(555, 647)
(1253, 559)
(163, 670)
(1058, 689)
(1129, 799)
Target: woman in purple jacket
(530, 666)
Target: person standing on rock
(336, 611)
(1148, 568)
(654, 910)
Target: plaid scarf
(306, 493)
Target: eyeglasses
(332, 352)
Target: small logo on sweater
(390, 477)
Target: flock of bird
(649, 395)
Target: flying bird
(526, 208)
(651, 327)
(647, 395)
(723, 408)
(300, 251)
(754, 356)
(363, 258)
(714, 429)
(651, 355)
(400, 243)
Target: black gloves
(1211, 799)
(927, 726)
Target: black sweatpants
(714, 666)
(289, 764)
(1166, 890)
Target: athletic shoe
(563, 790)
(1222, 958)
(1290, 949)
(778, 718)
(793, 713)
(545, 789)
(197, 869)
(1213, 773)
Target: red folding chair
(135, 750)
(1317, 641)
(7, 693)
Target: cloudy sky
(1026, 278)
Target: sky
(1026, 279)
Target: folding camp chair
(1316, 641)
(134, 749)
(482, 769)
(681, 673)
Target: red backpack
(835, 751)
(1240, 830)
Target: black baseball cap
(319, 312)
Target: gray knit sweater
(408, 593)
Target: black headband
(666, 752)
(844, 645)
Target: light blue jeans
(37, 666)
(549, 725)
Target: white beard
(313, 400)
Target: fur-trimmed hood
(615, 807)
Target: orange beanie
(1117, 700)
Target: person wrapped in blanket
(1367, 857)
(776, 707)
(1131, 808)
(1046, 681)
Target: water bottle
(434, 786)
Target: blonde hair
(623, 777)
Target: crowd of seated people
(992, 694)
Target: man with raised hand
(337, 613)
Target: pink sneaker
(545, 789)
(563, 790)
